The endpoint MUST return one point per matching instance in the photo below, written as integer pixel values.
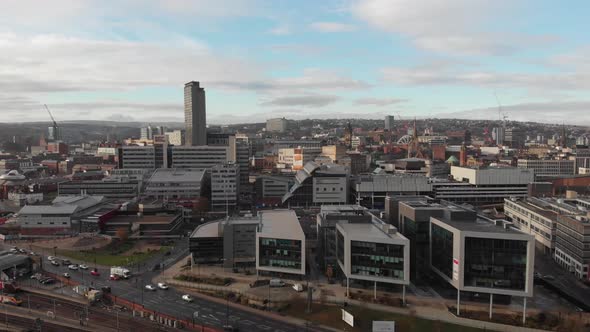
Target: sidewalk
(291, 320)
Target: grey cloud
(304, 101)
(379, 101)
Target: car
(150, 287)
(66, 261)
(22, 251)
(66, 275)
(95, 272)
(32, 253)
(50, 258)
(106, 289)
(55, 263)
(37, 276)
(162, 285)
(230, 328)
(83, 266)
(47, 281)
(549, 277)
(73, 267)
(187, 298)
(13, 250)
(114, 277)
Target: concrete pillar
(375, 292)
(458, 302)
(491, 303)
(404, 295)
(524, 311)
(347, 286)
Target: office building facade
(225, 184)
(195, 118)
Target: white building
(225, 184)
(549, 167)
(493, 175)
(296, 158)
(132, 156)
(171, 184)
(372, 251)
(534, 216)
(330, 185)
(199, 157)
(280, 243)
(278, 125)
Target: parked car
(549, 277)
(95, 272)
(47, 281)
(66, 261)
(73, 267)
(150, 287)
(66, 275)
(162, 285)
(230, 328)
(37, 276)
(114, 277)
(276, 283)
(50, 258)
(83, 266)
(187, 298)
(55, 263)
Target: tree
(122, 234)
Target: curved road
(169, 301)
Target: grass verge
(111, 255)
(331, 315)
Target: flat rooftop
(166, 175)
(281, 224)
(210, 229)
(369, 232)
(481, 225)
(145, 219)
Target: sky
(128, 60)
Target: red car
(114, 277)
(95, 272)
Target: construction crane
(56, 135)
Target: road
(169, 301)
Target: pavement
(563, 281)
(203, 310)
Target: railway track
(106, 318)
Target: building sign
(455, 269)
(347, 318)
(383, 326)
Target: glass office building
(377, 259)
(281, 253)
(442, 250)
(495, 263)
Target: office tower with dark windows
(195, 114)
(388, 122)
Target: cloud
(281, 30)
(379, 101)
(559, 111)
(303, 101)
(450, 27)
(575, 80)
(332, 27)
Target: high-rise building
(389, 122)
(194, 114)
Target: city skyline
(257, 60)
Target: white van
(298, 287)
